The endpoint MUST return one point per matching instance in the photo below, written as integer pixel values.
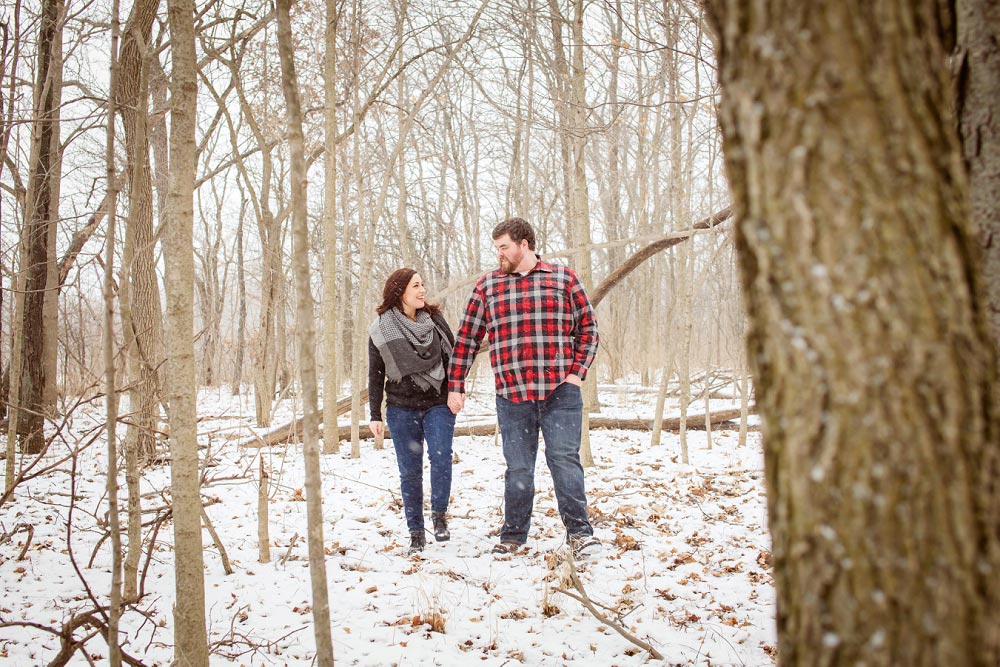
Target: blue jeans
(409, 429)
(560, 418)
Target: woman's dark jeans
(560, 418)
(410, 429)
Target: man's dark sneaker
(417, 541)
(441, 533)
(584, 546)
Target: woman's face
(413, 296)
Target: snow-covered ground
(684, 565)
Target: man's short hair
(518, 229)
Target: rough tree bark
(41, 216)
(868, 331)
(139, 290)
(978, 35)
(190, 635)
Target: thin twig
(295, 538)
(585, 600)
(218, 541)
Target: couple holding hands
(543, 338)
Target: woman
(408, 352)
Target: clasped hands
(456, 400)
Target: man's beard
(508, 265)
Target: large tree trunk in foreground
(978, 33)
(190, 636)
(868, 331)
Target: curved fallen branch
(585, 600)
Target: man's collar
(540, 265)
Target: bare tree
(139, 291)
(190, 635)
(241, 297)
(304, 319)
(110, 386)
(210, 280)
(42, 212)
(869, 337)
(331, 323)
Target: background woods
(425, 126)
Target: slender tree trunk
(284, 368)
(708, 419)
(359, 335)
(573, 120)
(110, 385)
(263, 515)
(744, 405)
(581, 210)
(141, 311)
(159, 150)
(14, 372)
(139, 291)
(680, 211)
(265, 359)
(684, 259)
(304, 326)
(869, 336)
(331, 321)
(241, 289)
(190, 636)
(403, 225)
(10, 59)
(661, 399)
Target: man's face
(509, 253)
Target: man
(543, 338)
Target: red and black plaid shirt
(541, 328)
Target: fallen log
(292, 431)
(694, 423)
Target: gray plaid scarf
(411, 348)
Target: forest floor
(685, 564)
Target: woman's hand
(376, 428)
(456, 401)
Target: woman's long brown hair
(392, 293)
